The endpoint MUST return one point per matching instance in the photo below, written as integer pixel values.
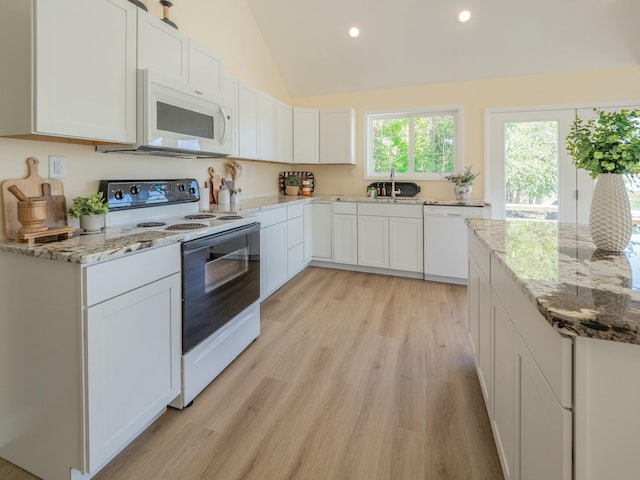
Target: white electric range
(220, 271)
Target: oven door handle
(217, 238)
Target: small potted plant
(462, 183)
(608, 147)
(90, 210)
(292, 184)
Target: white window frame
(458, 141)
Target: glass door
(530, 174)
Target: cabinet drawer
(115, 277)
(479, 253)
(349, 208)
(389, 210)
(552, 352)
(295, 232)
(294, 211)
(271, 217)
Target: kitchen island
(554, 325)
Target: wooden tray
(31, 186)
(54, 233)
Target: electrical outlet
(56, 166)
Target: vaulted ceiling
(414, 42)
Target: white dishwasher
(445, 242)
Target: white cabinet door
(473, 304)
(133, 356)
(274, 257)
(373, 241)
(338, 136)
(205, 70)
(504, 415)
(85, 56)
(544, 427)
(267, 127)
(308, 232)
(321, 227)
(248, 120)
(162, 48)
(485, 340)
(405, 244)
(284, 132)
(306, 138)
(345, 239)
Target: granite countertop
(578, 289)
(255, 205)
(112, 242)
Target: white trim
(458, 146)
(568, 106)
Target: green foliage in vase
(292, 181)
(608, 144)
(94, 204)
(462, 178)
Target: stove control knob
(192, 190)
(181, 187)
(118, 195)
(135, 190)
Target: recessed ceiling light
(354, 32)
(464, 16)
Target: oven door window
(224, 268)
(219, 282)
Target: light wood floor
(354, 377)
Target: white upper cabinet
(248, 119)
(162, 48)
(306, 138)
(284, 132)
(69, 69)
(267, 127)
(168, 51)
(205, 69)
(338, 136)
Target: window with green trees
(419, 145)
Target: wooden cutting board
(56, 207)
(31, 185)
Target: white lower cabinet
(390, 236)
(405, 244)
(308, 232)
(273, 253)
(373, 241)
(133, 368)
(525, 372)
(282, 246)
(94, 360)
(503, 418)
(345, 233)
(321, 231)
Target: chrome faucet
(393, 184)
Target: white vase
(91, 223)
(610, 216)
(462, 192)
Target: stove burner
(185, 226)
(230, 217)
(199, 216)
(150, 224)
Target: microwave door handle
(224, 126)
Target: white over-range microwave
(176, 121)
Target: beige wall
(621, 84)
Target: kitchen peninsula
(554, 325)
